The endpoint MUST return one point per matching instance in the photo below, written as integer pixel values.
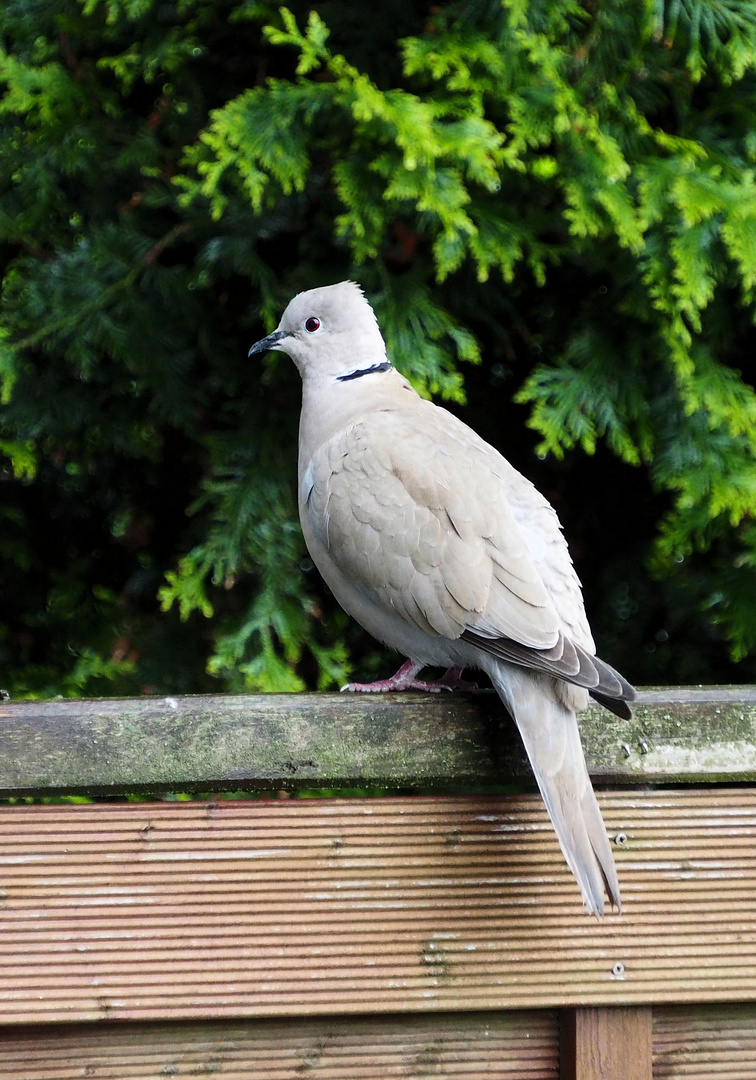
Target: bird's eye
(312, 324)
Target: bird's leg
(452, 680)
(404, 679)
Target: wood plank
(400, 741)
(698, 1042)
(161, 911)
(467, 1046)
(605, 1044)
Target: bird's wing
(413, 508)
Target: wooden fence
(430, 933)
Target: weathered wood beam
(403, 741)
(446, 1046)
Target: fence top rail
(406, 741)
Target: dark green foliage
(552, 206)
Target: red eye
(312, 324)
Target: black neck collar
(385, 366)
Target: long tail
(550, 733)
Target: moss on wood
(399, 741)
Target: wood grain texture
(606, 1044)
(699, 1042)
(341, 740)
(312, 907)
(472, 1046)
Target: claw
(404, 679)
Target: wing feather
(418, 509)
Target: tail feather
(551, 736)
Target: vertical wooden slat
(605, 1044)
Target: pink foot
(452, 680)
(404, 679)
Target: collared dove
(439, 548)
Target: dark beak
(267, 342)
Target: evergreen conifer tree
(552, 206)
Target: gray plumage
(432, 541)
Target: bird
(431, 540)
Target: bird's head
(330, 333)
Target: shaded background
(552, 207)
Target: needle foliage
(552, 206)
